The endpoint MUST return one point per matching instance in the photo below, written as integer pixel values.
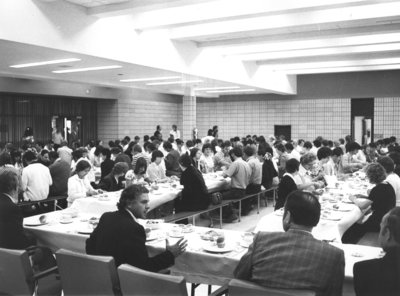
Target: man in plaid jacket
(294, 259)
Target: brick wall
(137, 113)
(239, 116)
(387, 117)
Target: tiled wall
(387, 117)
(309, 118)
(137, 113)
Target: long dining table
(166, 192)
(203, 262)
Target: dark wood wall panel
(17, 111)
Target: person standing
(175, 133)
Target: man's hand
(177, 248)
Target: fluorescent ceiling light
(45, 63)
(150, 79)
(174, 82)
(87, 69)
(233, 90)
(216, 88)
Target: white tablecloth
(97, 206)
(333, 222)
(196, 264)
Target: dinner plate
(216, 249)
(156, 192)
(333, 217)
(38, 223)
(66, 221)
(176, 235)
(345, 207)
(85, 231)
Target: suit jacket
(378, 277)
(120, 236)
(60, 172)
(286, 186)
(195, 193)
(293, 260)
(106, 167)
(109, 184)
(12, 235)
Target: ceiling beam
(336, 16)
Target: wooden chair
(16, 274)
(135, 281)
(83, 274)
(239, 287)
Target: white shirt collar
(133, 216)
(290, 175)
(9, 196)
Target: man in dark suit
(12, 235)
(294, 259)
(381, 277)
(118, 234)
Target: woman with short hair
(380, 200)
(78, 185)
(155, 171)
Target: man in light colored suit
(294, 259)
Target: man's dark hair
(189, 143)
(185, 160)
(292, 165)
(249, 150)
(237, 151)
(337, 152)
(119, 168)
(146, 138)
(98, 150)
(8, 180)
(198, 141)
(116, 150)
(53, 155)
(5, 158)
(280, 147)
(353, 146)
(155, 154)
(307, 145)
(387, 163)
(226, 144)
(304, 208)
(325, 143)
(210, 132)
(324, 152)
(130, 194)
(289, 147)
(167, 145)
(82, 165)
(29, 156)
(317, 143)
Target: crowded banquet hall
(200, 147)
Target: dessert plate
(216, 249)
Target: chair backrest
(135, 281)
(16, 275)
(83, 274)
(239, 287)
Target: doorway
(283, 130)
(362, 120)
(70, 128)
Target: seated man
(380, 277)
(36, 179)
(12, 235)
(172, 161)
(294, 259)
(118, 234)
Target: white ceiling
(276, 37)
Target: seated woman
(112, 181)
(287, 184)
(325, 161)
(194, 195)
(107, 164)
(78, 185)
(381, 200)
(207, 159)
(195, 155)
(138, 175)
(155, 171)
